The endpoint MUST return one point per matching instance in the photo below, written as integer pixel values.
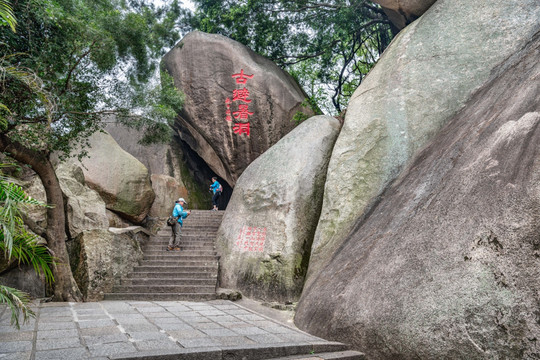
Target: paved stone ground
(152, 330)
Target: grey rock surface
(262, 95)
(268, 226)
(157, 158)
(120, 179)
(85, 209)
(446, 265)
(167, 190)
(100, 258)
(423, 79)
(403, 12)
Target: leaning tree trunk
(65, 287)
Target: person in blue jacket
(216, 188)
(180, 213)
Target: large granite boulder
(167, 190)
(447, 265)
(157, 158)
(425, 77)
(238, 104)
(403, 12)
(267, 229)
(100, 258)
(121, 180)
(171, 160)
(85, 210)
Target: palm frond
(6, 13)
(27, 250)
(18, 302)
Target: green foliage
(6, 15)
(18, 302)
(77, 61)
(328, 46)
(300, 116)
(17, 243)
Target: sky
(187, 3)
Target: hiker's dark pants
(215, 198)
(175, 236)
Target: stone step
(190, 274)
(209, 236)
(335, 355)
(179, 269)
(178, 255)
(195, 263)
(161, 297)
(185, 251)
(169, 281)
(173, 274)
(188, 244)
(165, 289)
(184, 240)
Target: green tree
(86, 59)
(328, 46)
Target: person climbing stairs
(188, 274)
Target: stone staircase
(189, 274)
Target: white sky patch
(185, 3)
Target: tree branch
(72, 69)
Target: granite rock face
(423, 79)
(403, 12)
(447, 264)
(268, 226)
(100, 258)
(84, 207)
(238, 104)
(167, 190)
(120, 179)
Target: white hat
(181, 200)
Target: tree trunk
(65, 287)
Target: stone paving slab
(145, 330)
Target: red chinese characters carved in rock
(241, 78)
(251, 239)
(228, 116)
(241, 95)
(241, 128)
(243, 113)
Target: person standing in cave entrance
(180, 214)
(216, 188)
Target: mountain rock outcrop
(423, 79)
(121, 180)
(266, 232)
(238, 104)
(447, 264)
